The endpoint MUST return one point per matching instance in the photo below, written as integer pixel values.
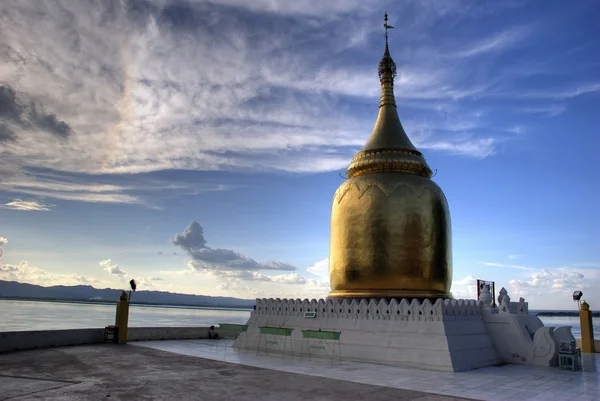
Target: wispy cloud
(161, 87)
(563, 92)
(496, 42)
(113, 88)
(95, 189)
(478, 147)
(229, 275)
(549, 110)
(27, 205)
(518, 267)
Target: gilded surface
(390, 237)
(390, 225)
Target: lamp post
(577, 297)
(122, 316)
(586, 324)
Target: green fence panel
(278, 331)
(240, 328)
(323, 335)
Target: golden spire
(388, 147)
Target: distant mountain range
(87, 293)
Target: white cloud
(181, 272)
(61, 186)
(3, 241)
(595, 265)
(291, 278)
(327, 9)
(292, 286)
(112, 268)
(205, 258)
(235, 275)
(136, 92)
(239, 275)
(543, 288)
(562, 280)
(549, 110)
(518, 267)
(482, 147)
(64, 186)
(239, 289)
(567, 91)
(149, 282)
(248, 284)
(465, 288)
(25, 273)
(27, 205)
(495, 43)
(81, 279)
(320, 269)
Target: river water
(37, 315)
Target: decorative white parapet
(445, 335)
(519, 337)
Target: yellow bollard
(122, 318)
(587, 328)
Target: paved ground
(113, 372)
(493, 383)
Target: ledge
(25, 340)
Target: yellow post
(122, 318)
(587, 328)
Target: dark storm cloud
(6, 134)
(193, 242)
(49, 122)
(27, 116)
(9, 107)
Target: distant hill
(87, 293)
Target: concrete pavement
(114, 372)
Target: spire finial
(386, 26)
(387, 64)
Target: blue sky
(196, 145)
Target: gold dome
(390, 225)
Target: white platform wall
(446, 335)
(450, 335)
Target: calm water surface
(35, 315)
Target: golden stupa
(390, 225)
